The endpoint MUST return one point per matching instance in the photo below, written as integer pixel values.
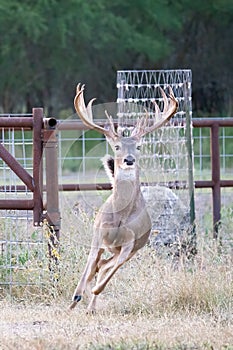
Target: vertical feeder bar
(189, 145)
(37, 165)
(216, 190)
(52, 188)
(190, 153)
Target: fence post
(192, 244)
(52, 189)
(37, 165)
(216, 190)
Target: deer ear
(108, 163)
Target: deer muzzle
(129, 160)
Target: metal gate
(28, 197)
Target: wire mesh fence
(202, 156)
(203, 171)
(22, 246)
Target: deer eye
(138, 148)
(117, 147)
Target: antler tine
(165, 99)
(157, 110)
(140, 126)
(85, 113)
(79, 88)
(111, 123)
(171, 94)
(109, 118)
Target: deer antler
(85, 114)
(170, 108)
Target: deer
(122, 225)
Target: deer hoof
(76, 299)
(91, 312)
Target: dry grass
(153, 302)
(51, 327)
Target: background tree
(206, 47)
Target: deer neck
(126, 188)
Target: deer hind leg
(88, 274)
(103, 267)
(107, 271)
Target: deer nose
(129, 160)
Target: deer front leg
(88, 274)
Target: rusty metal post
(37, 165)
(52, 189)
(216, 189)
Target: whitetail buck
(122, 225)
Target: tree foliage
(47, 46)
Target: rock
(169, 215)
